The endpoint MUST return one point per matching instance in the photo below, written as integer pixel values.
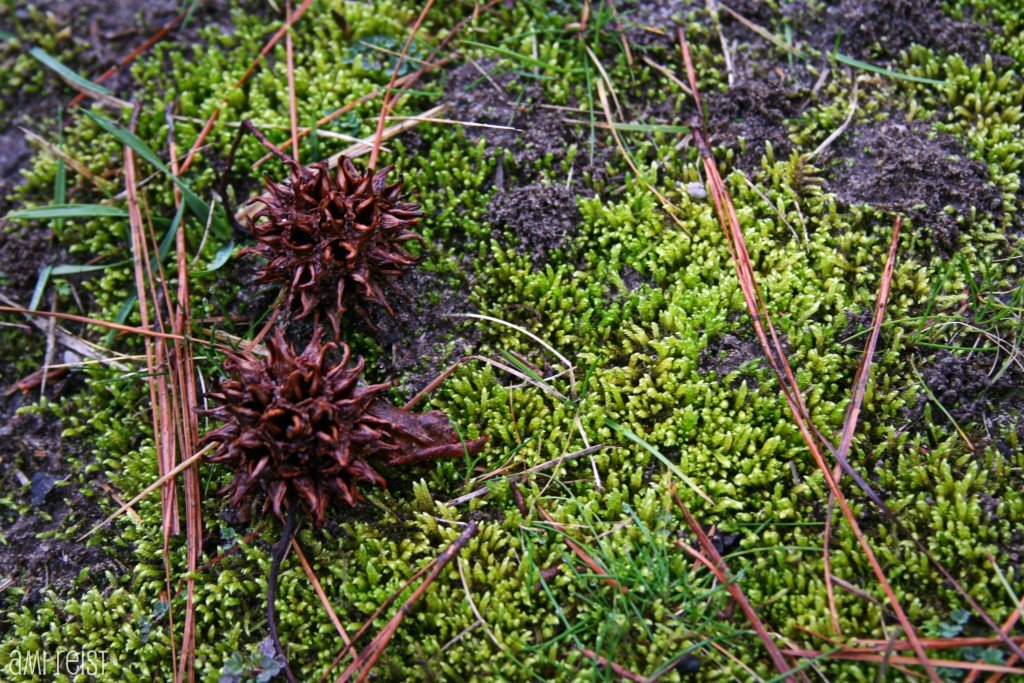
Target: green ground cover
(649, 312)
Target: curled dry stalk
(280, 549)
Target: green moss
(644, 356)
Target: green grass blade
(55, 65)
(195, 204)
(67, 211)
(219, 259)
(882, 71)
(37, 294)
(629, 434)
(77, 269)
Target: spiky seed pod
(298, 429)
(334, 240)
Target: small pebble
(696, 190)
(42, 484)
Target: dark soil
(541, 218)
(102, 32)
(727, 354)
(907, 168)
(32, 448)
(34, 452)
(963, 386)
(423, 338)
(502, 99)
(884, 28)
(872, 30)
(752, 113)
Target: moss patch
(648, 313)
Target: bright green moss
(646, 356)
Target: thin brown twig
(617, 669)
(778, 359)
(320, 591)
(861, 656)
(1006, 628)
(594, 566)
(363, 664)
(860, 384)
(183, 378)
(372, 618)
(181, 467)
(139, 260)
(293, 112)
(714, 562)
(391, 98)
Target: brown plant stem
(287, 532)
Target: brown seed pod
(334, 241)
(306, 433)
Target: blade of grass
(62, 211)
(70, 77)
(37, 293)
(631, 435)
(198, 207)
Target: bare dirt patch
(752, 113)
(528, 130)
(540, 218)
(36, 476)
(884, 28)
(908, 168)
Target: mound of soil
(908, 168)
(884, 28)
(541, 217)
(756, 111)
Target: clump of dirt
(905, 167)
(858, 322)
(963, 386)
(632, 279)
(484, 96)
(34, 466)
(728, 354)
(756, 111)
(23, 251)
(884, 28)
(541, 218)
(416, 339)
